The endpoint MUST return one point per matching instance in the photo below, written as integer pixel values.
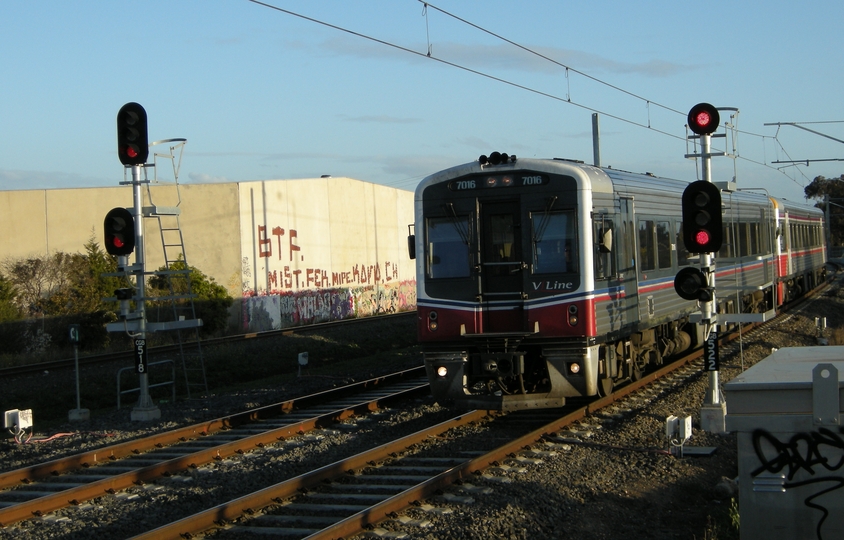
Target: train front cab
(506, 298)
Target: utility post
(78, 413)
(703, 231)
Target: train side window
(742, 240)
(726, 246)
(754, 238)
(663, 244)
(554, 242)
(448, 247)
(682, 253)
(647, 249)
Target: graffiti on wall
(283, 244)
(285, 291)
(813, 453)
(309, 306)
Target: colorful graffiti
(296, 308)
(281, 290)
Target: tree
(9, 310)
(819, 189)
(62, 289)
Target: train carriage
(540, 280)
(800, 248)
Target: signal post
(124, 233)
(702, 234)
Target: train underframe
(522, 371)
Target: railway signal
(704, 119)
(132, 139)
(703, 228)
(692, 284)
(119, 227)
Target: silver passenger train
(544, 279)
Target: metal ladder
(182, 316)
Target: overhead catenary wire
(567, 99)
(465, 68)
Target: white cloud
(203, 178)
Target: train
(540, 280)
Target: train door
(501, 267)
(626, 264)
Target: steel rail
(358, 522)
(355, 524)
(75, 495)
(247, 504)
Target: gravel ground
(619, 484)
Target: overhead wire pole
(799, 125)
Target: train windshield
(448, 247)
(554, 242)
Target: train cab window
(554, 238)
(448, 247)
(602, 232)
(500, 244)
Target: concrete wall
(323, 249)
(293, 251)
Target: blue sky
(261, 94)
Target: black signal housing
(703, 228)
(132, 138)
(119, 228)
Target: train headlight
(442, 371)
(574, 368)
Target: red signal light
(702, 237)
(704, 119)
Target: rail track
(335, 500)
(339, 499)
(43, 488)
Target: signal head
(119, 228)
(703, 227)
(691, 284)
(132, 140)
(704, 119)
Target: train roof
(606, 180)
(589, 177)
(793, 207)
